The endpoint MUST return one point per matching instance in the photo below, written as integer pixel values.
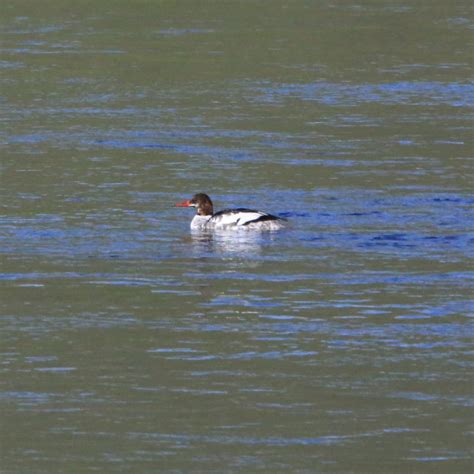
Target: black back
(263, 217)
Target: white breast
(199, 222)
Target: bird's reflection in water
(229, 243)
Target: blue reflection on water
(399, 93)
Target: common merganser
(205, 217)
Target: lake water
(340, 344)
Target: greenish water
(340, 344)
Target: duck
(239, 218)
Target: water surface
(340, 344)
